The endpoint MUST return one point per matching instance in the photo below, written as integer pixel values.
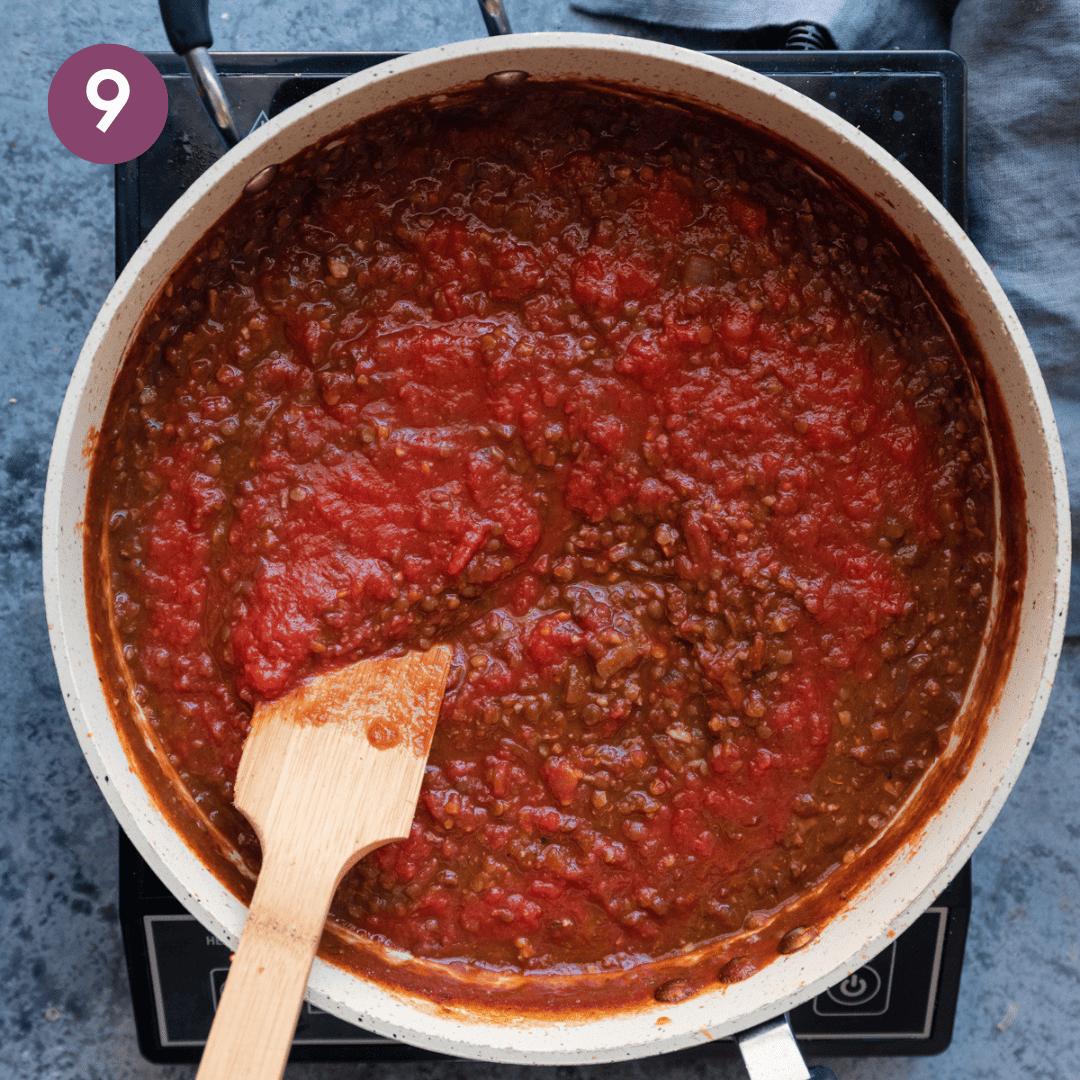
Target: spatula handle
(256, 1017)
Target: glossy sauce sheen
(645, 420)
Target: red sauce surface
(644, 419)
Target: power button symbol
(857, 989)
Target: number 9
(111, 107)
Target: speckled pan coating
(917, 872)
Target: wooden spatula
(328, 773)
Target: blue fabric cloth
(854, 24)
(1023, 61)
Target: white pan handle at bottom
(770, 1052)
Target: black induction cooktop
(902, 1002)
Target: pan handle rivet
(261, 180)
(506, 78)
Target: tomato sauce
(644, 419)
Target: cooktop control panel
(901, 1003)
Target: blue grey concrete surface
(64, 1005)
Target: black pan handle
(822, 1072)
(495, 17)
(187, 24)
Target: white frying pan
(938, 843)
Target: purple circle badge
(108, 104)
